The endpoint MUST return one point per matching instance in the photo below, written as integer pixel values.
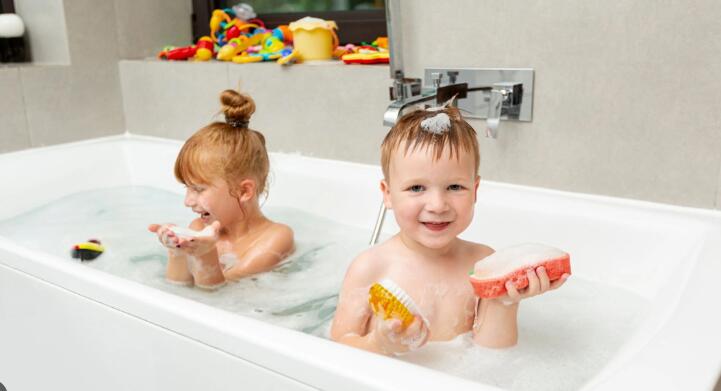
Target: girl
(224, 167)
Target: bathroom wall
(71, 91)
(625, 92)
(624, 99)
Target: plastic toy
(490, 274)
(313, 38)
(87, 251)
(202, 51)
(394, 302)
(272, 47)
(177, 54)
(366, 58)
(205, 49)
(375, 53)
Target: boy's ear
(246, 190)
(386, 194)
(475, 188)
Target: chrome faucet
(504, 103)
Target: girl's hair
(227, 150)
(409, 132)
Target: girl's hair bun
(237, 107)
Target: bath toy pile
(510, 264)
(237, 35)
(87, 251)
(388, 297)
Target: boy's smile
(432, 200)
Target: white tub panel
(109, 349)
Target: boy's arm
(496, 322)
(351, 323)
(495, 325)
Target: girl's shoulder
(280, 235)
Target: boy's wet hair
(408, 131)
(227, 150)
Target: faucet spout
(494, 112)
(395, 109)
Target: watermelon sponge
(490, 274)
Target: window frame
(7, 6)
(353, 26)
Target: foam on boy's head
(436, 129)
(227, 150)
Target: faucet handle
(437, 78)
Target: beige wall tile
(45, 30)
(718, 191)
(171, 99)
(623, 90)
(92, 39)
(13, 125)
(144, 27)
(71, 103)
(327, 110)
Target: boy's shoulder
(370, 264)
(475, 251)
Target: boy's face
(432, 200)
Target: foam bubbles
(565, 336)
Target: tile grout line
(25, 108)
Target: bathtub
(64, 325)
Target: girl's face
(213, 202)
(432, 201)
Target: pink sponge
(491, 273)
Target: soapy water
(119, 217)
(565, 337)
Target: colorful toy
(87, 251)
(205, 49)
(202, 51)
(313, 38)
(394, 302)
(375, 53)
(490, 274)
(366, 58)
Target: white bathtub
(67, 326)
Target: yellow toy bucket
(313, 38)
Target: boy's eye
(455, 187)
(416, 188)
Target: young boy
(430, 162)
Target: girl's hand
(200, 245)
(166, 236)
(538, 283)
(392, 338)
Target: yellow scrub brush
(393, 300)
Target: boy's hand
(538, 283)
(392, 338)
